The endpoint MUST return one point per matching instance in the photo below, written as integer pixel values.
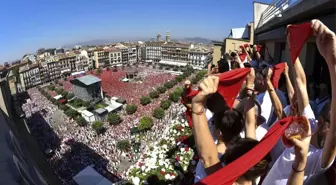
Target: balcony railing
(275, 9)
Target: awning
(58, 97)
(173, 63)
(90, 176)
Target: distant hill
(198, 40)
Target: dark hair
(239, 148)
(223, 66)
(216, 103)
(230, 122)
(259, 82)
(235, 65)
(233, 54)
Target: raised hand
(208, 86)
(325, 41)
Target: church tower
(158, 37)
(167, 36)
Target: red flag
(229, 86)
(230, 173)
(259, 47)
(298, 35)
(277, 70)
(242, 57)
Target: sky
(26, 25)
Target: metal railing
(275, 9)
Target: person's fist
(250, 78)
(325, 41)
(208, 86)
(286, 69)
(269, 74)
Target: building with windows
(49, 71)
(115, 56)
(174, 54)
(153, 52)
(199, 56)
(132, 54)
(124, 52)
(87, 88)
(29, 76)
(67, 61)
(22, 161)
(102, 57)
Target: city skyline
(60, 23)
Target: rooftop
(88, 79)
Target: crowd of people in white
(59, 136)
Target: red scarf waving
(298, 35)
(230, 173)
(277, 70)
(229, 86)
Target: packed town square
(240, 121)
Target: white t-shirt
(279, 173)
(265, 105)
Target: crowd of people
(73, 147)
(272, 131)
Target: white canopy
(114, 105)
(90, 176)
(172, 63)
(125, 80)
(58, 97)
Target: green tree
(98, 126)
(165, 104)
(114, 119)
(158, 113)
(81, 121)
(173, 82)
(71, 113)
(64, 93)
(168, 85)
(131, 108)
(145, 123)
(144, 100)
(51, 87)
(174, 97)
(179, 78)
(86, 103)
(161, 89)
(178, 91)
(63, 107)
(124, 145)
(69, 96)
(59, 90)
(194, 80)
(154, 94)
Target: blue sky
(30, 24)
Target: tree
(64, 93)
(59, 90)
(194, 80)
(71, 113)
(158, 113)
(114, 119)
(173, 82)
(179, 78)
(81, 121)
(86, 103)
(63, 107)
(98, 71)
(98, 126)
(131, 108)
(69, 96)
(161, 89)
(145, 123)
(174, 97)
(51, 87)
(124, 145)
(178, 91)
(168, 85)
(144, 100)
(154, 94)
(165, 104)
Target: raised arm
(206, 147)
(326, 44)
(249, 109)
(300, 83)
(289, 86)
(274, 97)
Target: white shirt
(279, 173)
(266, 105)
